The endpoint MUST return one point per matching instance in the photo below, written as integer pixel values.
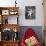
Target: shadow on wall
(37, 29)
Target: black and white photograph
(30, 12)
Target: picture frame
(13, 12)
(30, 12)
(5, 12)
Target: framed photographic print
(13, 12)
(30, 12)
(5, 12)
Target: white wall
(38, 21)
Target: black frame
(30, 12)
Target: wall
(39, 13)
(38, 21)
